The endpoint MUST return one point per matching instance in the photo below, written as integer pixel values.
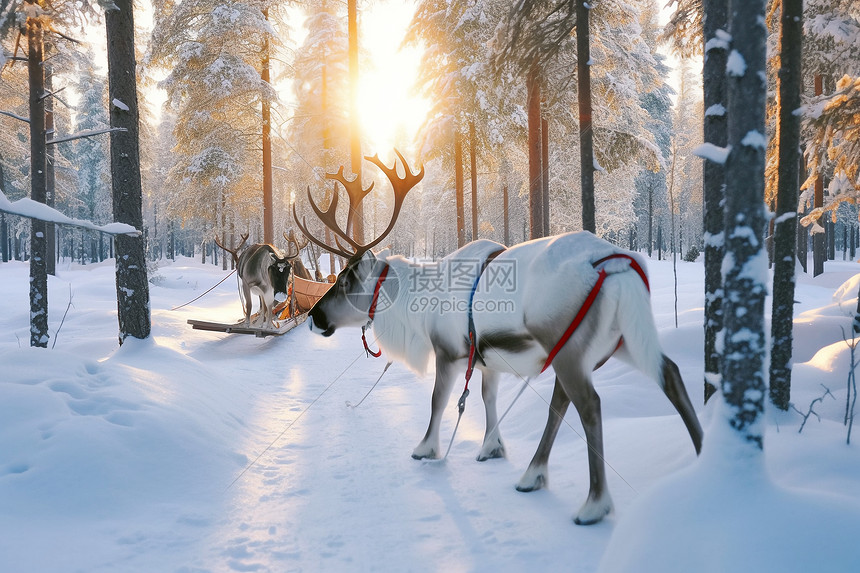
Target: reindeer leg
(492, 446)
(578, 387)
(262, 314)
(536, 475)
(673, 386)
(429, 446)
(269, 303)
(247, 302)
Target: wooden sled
(304, 295)
(307, 293)
(286, 325)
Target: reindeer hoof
(496, 453)
(593, 511)
(532, 481)
(423, 452)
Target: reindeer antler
(343, 241)
(234, 252)
(293, 243)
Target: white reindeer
(522, 302)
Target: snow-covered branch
(35, 210)
(84, 134)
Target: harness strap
(372, 311)
(375, 299)
(633, 265)
(589, 300)
(473, 336)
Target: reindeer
(263, 270)
(541, 323)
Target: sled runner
(240, 327)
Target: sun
(388, 111)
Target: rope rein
(205, 293)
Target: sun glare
(389, 113)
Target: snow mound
(845, 296)
(100, 438)
(726, 513)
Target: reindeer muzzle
(319, 324)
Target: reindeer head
(347, 303)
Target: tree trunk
(650, 220)
(132, 287)
(506, 215)
(743, 381)
(788, 184)
(803, 247)
(268, 225)
(38, 185)
(458, 190)
(354, 126)
(586, 136)
(535, 160)
(544, 176)
(4, 226)
(818, 244)
(474, 174)
(853, 249)
(51, 181)
(713, 185)
(4, 239)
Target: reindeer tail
(641, 341)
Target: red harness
(372, 311)
(589, 300)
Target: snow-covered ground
(197, 451)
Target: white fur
(525, 316)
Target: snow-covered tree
(467, 100)
(743, 382)
(689, 115)
(622, 67)
(319, 129)
(132, 285)
(92, 153)
(214, 51)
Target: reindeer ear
(383, 254)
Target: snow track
(122, 460)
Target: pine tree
(785, 233)
(319, 130)
(35, 28)
(213, 49)
(132, 286)
(622, 67)
(743, 378)
(92, 153)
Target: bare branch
(811, 410)
(15, 116)
(46, 95)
